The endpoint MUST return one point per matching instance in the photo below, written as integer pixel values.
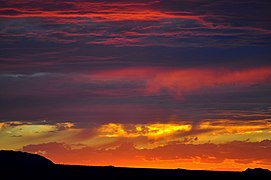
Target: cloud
(153, 23)
(135, 130)
(182, 81)
(143, 136)
(137, 95)
(146, 81)
(233, 127)
(217, 131)
(96, 11)
(28, 132)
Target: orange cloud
(101, 12)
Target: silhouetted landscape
(22, 165)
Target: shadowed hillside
(23, 159)
(20, 165)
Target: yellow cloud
(29, 129)
(235, 127)
(136, 130)
(222, 131)
(15, 134)
(65, 125)
(148, 136)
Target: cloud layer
(137, 23)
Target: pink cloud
(180, 81)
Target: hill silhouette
(23, 159)
(21, 165)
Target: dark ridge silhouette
(23, 159)
(20, 165)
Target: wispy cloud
(15, 134)
(147, 80)
(158, 23)
(181, 81)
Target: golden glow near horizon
(143, 139)
(16, 134)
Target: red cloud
(181, 81)
(177, 27)
(96, 11)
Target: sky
(133, 83)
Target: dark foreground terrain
(19, 165)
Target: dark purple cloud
(165, 23)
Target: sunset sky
(137, 83)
